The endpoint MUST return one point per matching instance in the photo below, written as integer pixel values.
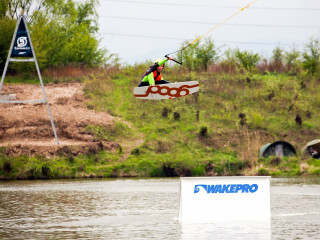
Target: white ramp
(205, 199)
(166, 91)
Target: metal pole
(44, 93)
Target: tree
(292, 60)
(62, 31)
(277, 59)
(247, 59)
(88, 16)
(311, 56)
(229, 60)
(230, 56)
(189, 55)
(14, 7)
(207, 53)
(3, 8)
(6, 29)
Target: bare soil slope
(26, 128)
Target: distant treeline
(204, 55)
(63, 32)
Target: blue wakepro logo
(227, 188)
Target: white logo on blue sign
(227, 188)
(22, 41)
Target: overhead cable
(208, 23)
(211, 6)
(181, 39)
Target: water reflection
(143, 209)
(88, 209)
(226, 230)
(295, 206)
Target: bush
(263, 172)
(311, 56)
(247, 59)
(7, 27)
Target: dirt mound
(26, 128)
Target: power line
(141, 36)
(208, 23)
(181, 39)
(210, 6)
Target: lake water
(142, 209)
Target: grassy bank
(215, 132)
(224, 125)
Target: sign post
(21, 50)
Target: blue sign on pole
(22, 47)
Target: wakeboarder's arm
(162, 62)
(151, 79)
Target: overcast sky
(139, 30)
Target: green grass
(116, 133)
(174, 146)
(25, 79)
(24, 167)
(270, 104)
